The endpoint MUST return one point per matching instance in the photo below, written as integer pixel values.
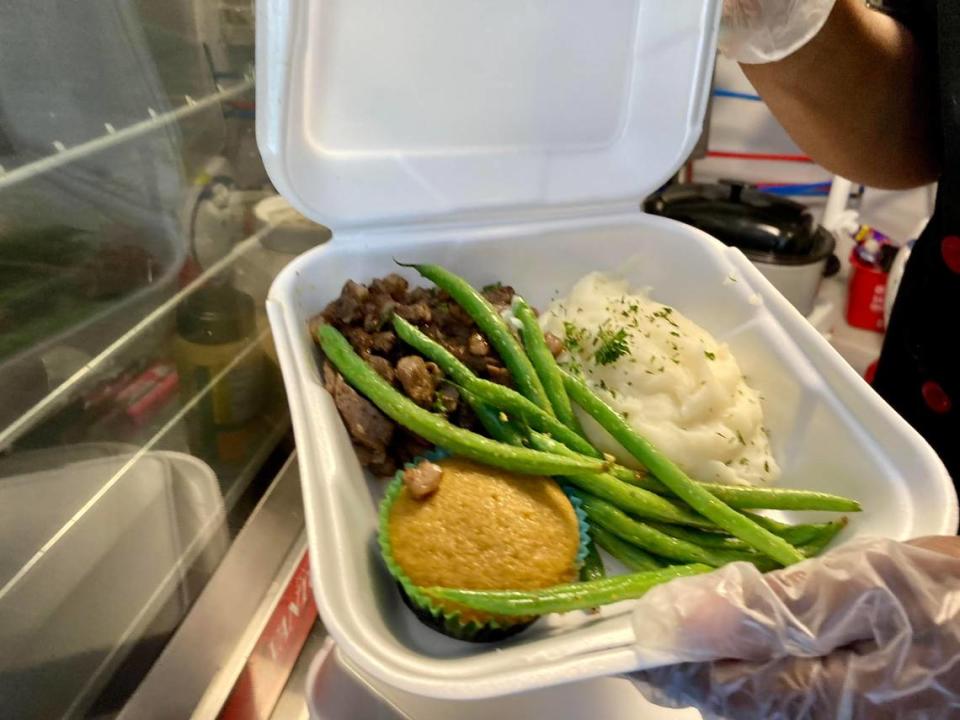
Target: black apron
(919, 368)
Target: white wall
(747, 126)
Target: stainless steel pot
(778, 235)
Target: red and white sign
(268, 667)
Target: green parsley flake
(574, 336)
(664, 314)
(613, 346)
(709, 355)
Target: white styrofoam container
(337, 690)
(829, 431)
(513, 142)
(374, 114)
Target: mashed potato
(670, 378)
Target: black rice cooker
(778, 235)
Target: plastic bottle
(221, 369)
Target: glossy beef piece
(554, 343)
(422, 479)
(383, 367)
(418, 378)
(369, 429)
(363, 314)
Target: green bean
(545, 364)
(435, 428)
(630, 555)
(636, 501)
(640, 503)
(452, 367)
(673, 477)
(755, 498)
(712, 540)
(830, 530)
(593, 568)
(633, 500)
(782, 499)
(611, 518)
(493, 326)
(636, 477)
(489, 392)
(499, 429)
(736, 496)
(796, 535)
(551, 444)
(565, 598)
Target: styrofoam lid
(379, 113)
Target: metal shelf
(211, 646)
(112, 136)
(68, 390)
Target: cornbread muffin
(482, 528)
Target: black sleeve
(918, 15)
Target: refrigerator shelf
(61, 395)
(113, 136)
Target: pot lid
(373, 113)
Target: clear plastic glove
(762, 31)
(869, 630)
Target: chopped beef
(386, 468)
(348, 307)
(381, 465)
(498, 374)
(500, 296)
(408, 446)
(377, 311)
(419, 378)
(363, 314)
(448, 397)
(360, 339)
(554, 343)
(383, 367)
(477, 345)
(369, 428)
(383, 342)
(392, 285)
(422, 479)
(416, 313)
(458, 316)
(422, 294)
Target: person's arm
(858, 99)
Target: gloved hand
(868, 630)
(762, 31)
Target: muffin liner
(583, 525)
(448, 622)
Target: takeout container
(513, 146)
(337, 690)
